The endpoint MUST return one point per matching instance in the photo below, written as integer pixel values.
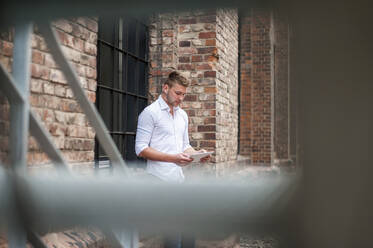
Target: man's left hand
(204, 159)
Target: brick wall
(203, 46)
(264, 96)
(51, 98)
(261, 90)
(256, 120)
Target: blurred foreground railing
(203, 206)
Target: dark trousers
(179, 241)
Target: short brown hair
(176, 78)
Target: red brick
(65, 39)
(64, 25)
(57, 76)
(204, 67)
(209, 136)
(205, 50)
(207, 35)
(184, 43)
(209, 144)
(209, 74)
(209, 105)
(186, 67)
(197, 58)
(188, 21)
(37, 57)
(210, 90)
(91, 73)
(38, 71)
(90, 49)
(187, 50)
(184, 59)
(190, 98)
(210, 120)
(211, 58)
(210, 42)
(206, 128)
(91, 96)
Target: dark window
(122, 82)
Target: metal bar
(120, 84)
(88, 108)
(19, 116)
(8, 86)
(19, 120)
(201, 205)
(123, 133)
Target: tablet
(197, 156)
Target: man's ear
(165, 89)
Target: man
(162, 138)
(162, 132)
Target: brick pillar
(227, 85)
(190, 49)
(203, 46)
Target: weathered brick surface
(51, 97)
(227, 85)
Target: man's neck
(169, 105)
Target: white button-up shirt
(158, 129)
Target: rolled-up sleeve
(144, 132)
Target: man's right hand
(182, 159)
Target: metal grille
(122, 81)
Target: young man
(162, 138)
(162, 132)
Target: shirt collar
(164, 105)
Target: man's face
(175, 94)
